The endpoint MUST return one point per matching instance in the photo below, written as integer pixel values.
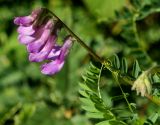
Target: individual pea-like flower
(57, 56)
(142, 85)
(39, 32)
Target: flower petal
(56, 65)
(52, 67)
(25, 39)
(37, 45)
(68, 42)
(26, 30)
(42, 55)
(25, 20)
(45, 32)
(55, 52)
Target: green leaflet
(156, 78)
(136, 69)
(152, 119)
(124, 66)
(116, 62)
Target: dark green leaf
(84, 87)
(116, 62)
(152, 119)
(155, 78)
(109, 115)
(136, 69)
(100, 107)
(91, 84)
(96, 99)
(124, 67)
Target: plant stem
(125, 97)
(91, 52)
(99, 77)
(153, 99)
(135, 28)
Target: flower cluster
(39, 32)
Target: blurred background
(29, 98)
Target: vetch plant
(40, 31)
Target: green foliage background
(29, 98)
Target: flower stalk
(91, 52)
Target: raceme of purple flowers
(39, 32)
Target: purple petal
(45, 32)
(37, 45)
(56, 65)
(52, 67)
(65, 48)
(25, 39)
(55, 52)
(26, 30)
(42, 55)
(49, 24)
(25, 20)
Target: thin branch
(99, 77)
(115, 74)
(91, 52)
(153, 99)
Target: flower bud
(142, 85)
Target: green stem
(91, 52)
(115, 74)
(99, 77)
(137, 37)
(153, 99)
(135, 28)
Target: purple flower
(39, 33)
(57, 58)
(27, 20)
(43, 54)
